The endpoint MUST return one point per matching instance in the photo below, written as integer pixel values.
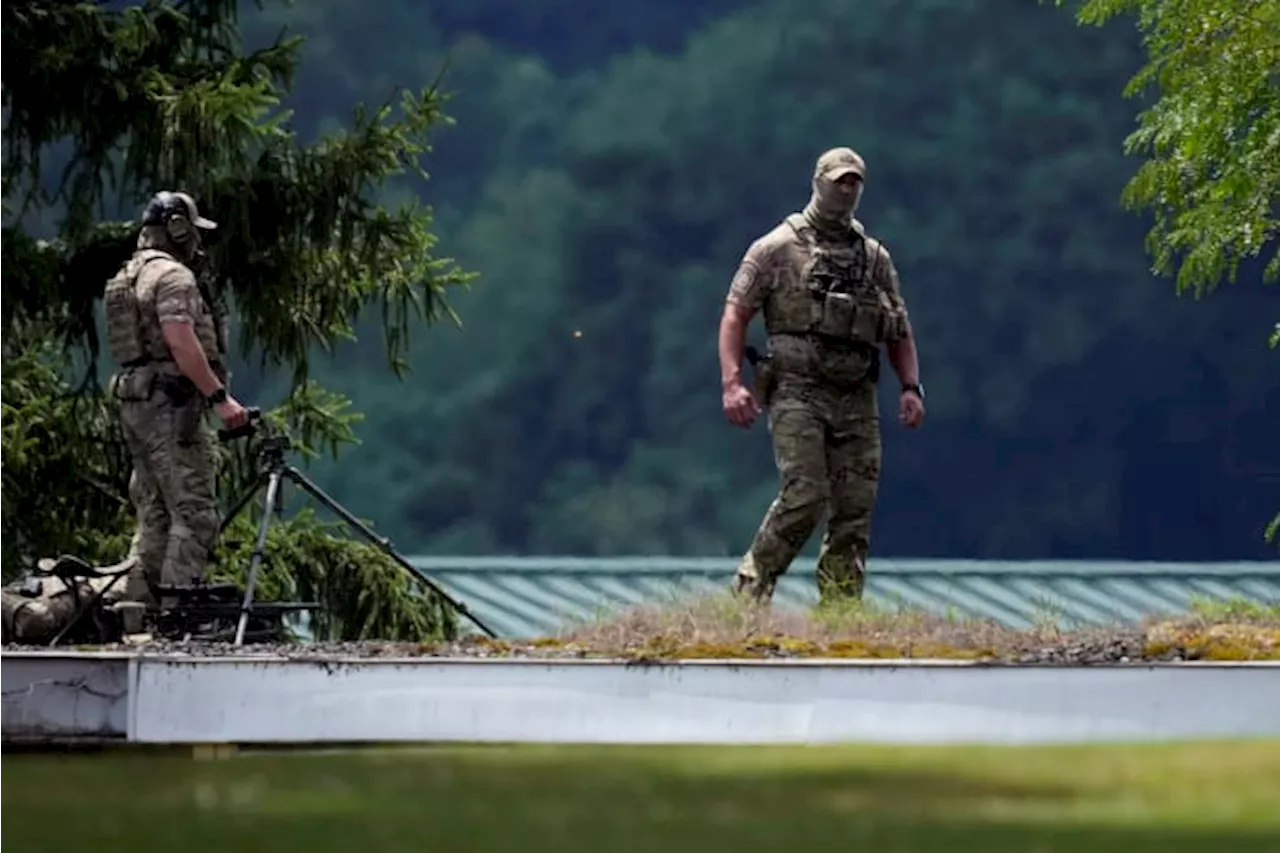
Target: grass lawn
(1202, 797)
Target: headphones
(171, 211)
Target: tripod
(274, 471)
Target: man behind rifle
(830, 298)
(170, 345)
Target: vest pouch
(791, 355)
(124, 337)
(847, 366)
(795, 312)
(839, 314)
(869, 327)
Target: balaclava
(829, 210)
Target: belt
(214, 363)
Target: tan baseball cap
(194, 213)
(835, 163)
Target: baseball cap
(838, 162)
(194, 213)
(166, 203)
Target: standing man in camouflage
(170, 347)
(830, 297)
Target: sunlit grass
(1200, 797)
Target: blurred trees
(607, 169)
(1066, 390)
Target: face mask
(187, 243)
(830, 203)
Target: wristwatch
(915, 387)
(219, 396)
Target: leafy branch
(1211, 137)
(161, 95)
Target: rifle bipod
(275, 470)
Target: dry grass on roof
(722, 626)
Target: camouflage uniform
(137, 585)
(40, 605)
(161, 411)
(830, 297)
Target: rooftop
(521, 597)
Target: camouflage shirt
(167, 292)
(778, 260)
(775, 276)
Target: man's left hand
(910, 409)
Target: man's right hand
(233, 414)
(740, 405)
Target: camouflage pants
(34, 616)
(32, 620)
(172, 487)
(827, 448)
(137, 585)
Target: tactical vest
(124, 317)
(837, 297)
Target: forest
(603, 168)
(606, 172)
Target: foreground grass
(1165, 799)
